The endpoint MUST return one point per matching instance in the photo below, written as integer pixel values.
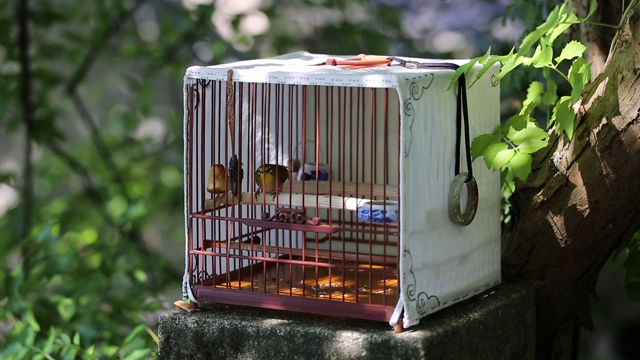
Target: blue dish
(311, 175)
(378, 212)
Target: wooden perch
(310, 194)
(286, 200)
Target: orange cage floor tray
(348, 283)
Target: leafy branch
(510, 147)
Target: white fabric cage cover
(440, 263)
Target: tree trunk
(580, 204)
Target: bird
(218, 184)
(270, 177)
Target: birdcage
(339, 186)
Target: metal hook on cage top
(316, 170)
(463, 178)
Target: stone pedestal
(496, 325)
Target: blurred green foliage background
(91, 201)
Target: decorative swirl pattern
(416, 92)
(408, 109)
(423, 301)
(411, 290)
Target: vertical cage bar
(189, 222)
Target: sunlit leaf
(502, 157)
(491, 152)
(567, 20)
(572, 50)
(511, 63)
(480, 144)
(534, 93)
(532, 145)
(518, 121)
(487, 65)
(521, 165)
(463, 69)
(530, 133)
(542, 57)
(533, 37)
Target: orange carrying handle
(360, 61)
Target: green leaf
(521, 165)
(511, 63)
(463, 69)
(480, 144)
(90, 350)
(508, 185)
(133, 335)
(30, 319)
(542, 57)
(482, 59)
(491, 152)
(567, 20)
(534, 93)
(579, 76)
(563, 116)
(572, 50)
(140, 276)
(532, 132)
(550, 96)
(503, 157)
(592, 9)
(138, 354)
(533, 37)
(48, 345)
(486, 66)
(66, 308)
(517, 122)
(532, 145)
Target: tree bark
(580, 203)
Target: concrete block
(498, 324)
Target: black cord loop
(462, 109)
(461, 179)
